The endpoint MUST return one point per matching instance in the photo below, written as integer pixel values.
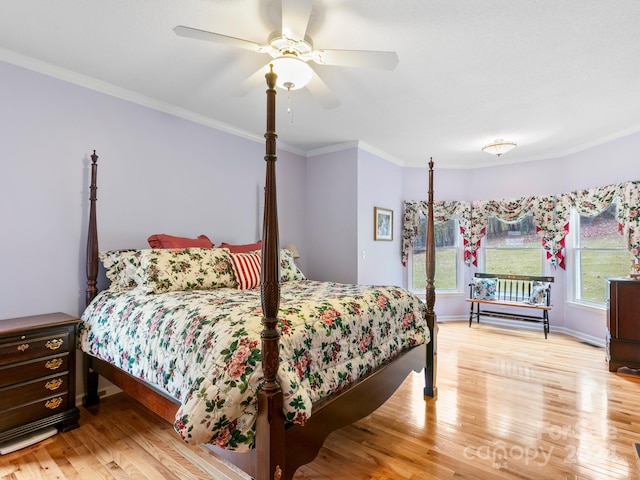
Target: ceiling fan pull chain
(290, 105)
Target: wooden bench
(531, 293)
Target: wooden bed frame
(279, 450)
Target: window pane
(513, 261)
(445, 235)
(595, 267)
(601, 231)
(601, 253)
(521, 234)
(446, 269)
(512, 248)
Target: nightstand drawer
(34, 345)
(41, 367)
(34, 411)
(27, 392)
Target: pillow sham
(162, 240)
(246, 269)
(288, 268)
(120, 267)
(243, 248)
(485, 288)
(167, 270)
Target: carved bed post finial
(270, 421)
(430, 389)
(92, 238)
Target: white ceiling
(553, 76)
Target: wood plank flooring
(511, 405)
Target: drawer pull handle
(53, 364)
(53, 384)
(53, 403)
(23, 347)
(54, 344)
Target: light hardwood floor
(511, 405)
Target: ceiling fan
(292, 51)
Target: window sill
(587, 306)
(448, 293)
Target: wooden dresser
(37, 374)
(623, 323)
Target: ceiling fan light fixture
(499, 147)
(292, 72)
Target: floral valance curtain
(593, 201)
(550, 215)
(629, 216)
(473, 223)
(443, 211)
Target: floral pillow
(170, 270)
(288, 268)
(120, 267)
(539, 293)
(485, 288)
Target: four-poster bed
(282, 445)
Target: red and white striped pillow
(246, 268)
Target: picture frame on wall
(382, 224)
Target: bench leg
(545, 321)
(471, 314)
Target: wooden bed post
(91, 377)
(270, 447)
(430, 389)
(92, 237)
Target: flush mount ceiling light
(292, 72)
(499, 147)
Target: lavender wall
(332, 218)
(379, 185)
(158, 174)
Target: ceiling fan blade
(295, 18)
(252, 82)
(357, 58)
(319, 89)
(189, 32)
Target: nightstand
(37, 374)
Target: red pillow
(161, 240)
(247, 247)
(246, 268)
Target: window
(512, 248)
(447, 254)
(599, 252)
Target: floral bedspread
(203, 347)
